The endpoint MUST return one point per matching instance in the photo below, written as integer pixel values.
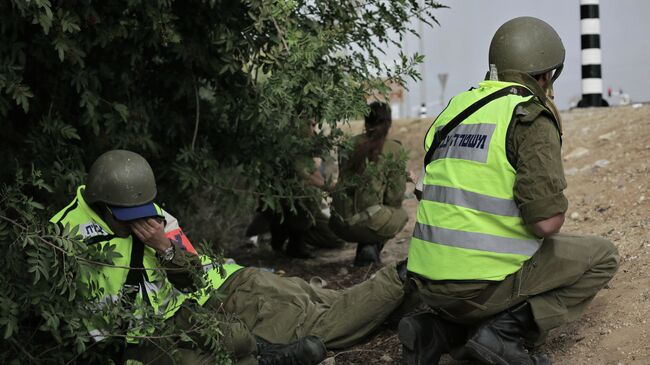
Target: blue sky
(459, 46)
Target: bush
(215, 94)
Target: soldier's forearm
(185, 271)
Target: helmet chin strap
(557, 73)
(119, 228)
(550, 103)
(550, 94)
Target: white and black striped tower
(592, 82)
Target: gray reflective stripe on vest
(210, 266)
(98, 335)
(152, 287)
(476, 241)
(468, 199)
(155, 288)
(467, 142)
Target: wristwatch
(168, 254)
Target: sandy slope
(608, 192)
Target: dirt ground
(606, 159)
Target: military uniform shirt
(534, 149)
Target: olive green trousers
(558, 281)
(282, 310)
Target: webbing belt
(463, 306)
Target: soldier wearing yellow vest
(116, 208)
(276, 320)
(486, 255)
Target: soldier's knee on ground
(606, 254)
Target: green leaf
(69, 132)
(36, 205)
(9, 329)
(45, 21)
(68, 25)
(61, 48)
(122, 110)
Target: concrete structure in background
(442, 77)
(423, 84)
(592, 82)
(423, 110)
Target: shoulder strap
(440, 135)
(136, 275)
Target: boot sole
(483, 353)
(407, 335)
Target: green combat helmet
(120, 178)
(529, 45)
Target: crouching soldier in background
(267, 319)
(304, 223)
(367, 204)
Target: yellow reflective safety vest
(468, 224)
(103, 284)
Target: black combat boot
(279, 235)
(425, 337)
(500, 340)
(296, 247)
(308, 350)
(367, 253)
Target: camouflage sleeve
(535, 147)
(185, 268)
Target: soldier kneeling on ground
(486, 254)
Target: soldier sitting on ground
(276, 320)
